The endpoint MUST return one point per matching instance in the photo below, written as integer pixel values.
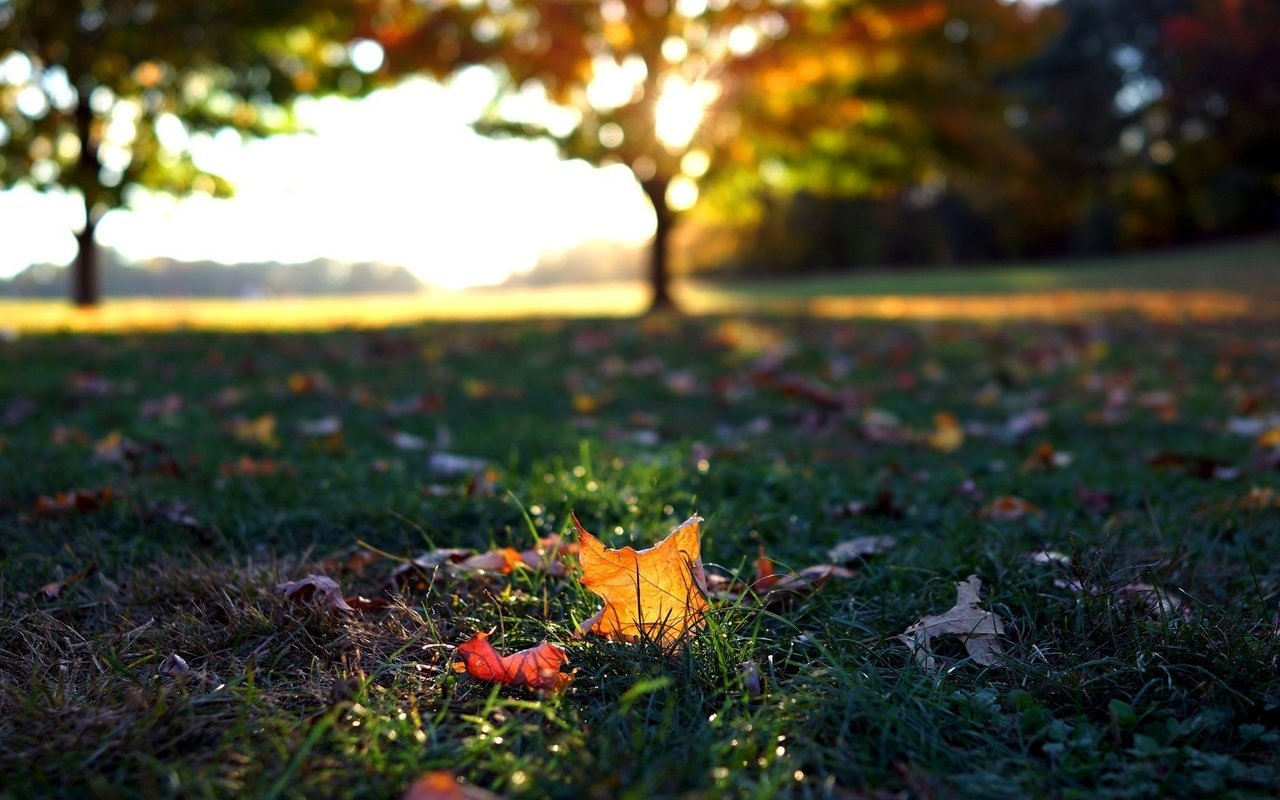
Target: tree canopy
(731, 96)
(98, 96)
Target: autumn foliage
(658, 594)
(536, 668)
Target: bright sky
(397, 177)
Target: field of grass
(1232, 280)
(1137, 583)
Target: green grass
(1098, 696)
(1240, 266)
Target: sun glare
(680, 110)
(397, 177)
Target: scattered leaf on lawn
(324, 426)
(408, 441)
(860, 547)
(260, 430)
(320, 587)
(548, 555)
(249, 467)
(1157, 603)
(501, 560)
(173, 665)
(537, 668)
(1007, 508)
(947, 434)
(449, 464)
(442, 785)
(1047, 557)
(657, 594)
(54, 590)
(978, 629)
(777, 588)
(78, 500)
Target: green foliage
(102, 95)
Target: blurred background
(299, 147)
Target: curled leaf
(52, 591)
(658, 594)
(537, 668)
(442, 785)
(978, 628)
(860, 547)
(1007, 508)
(320, 587)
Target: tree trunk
(85, 278)
(659, 270)
(86, 289)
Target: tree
(97, 96)
(692, 94)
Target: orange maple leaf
(657, 594)
(538, 667)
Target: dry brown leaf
(442, 785)
(174, 665)
(78, 500)
(860, 547)
(658, 594)
(778, 588)
(501, 560)
(260, 430)
(978, 629)
(947, 434)
(537, 668)
(323, 587)
(548, 555)
(52, 591)
(1007, 508)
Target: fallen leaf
(1046, 557)
(54, 590)
(1007, 508)
(361, 603)
(860, 547)
(548, 555)
(537, 668)
(449, 464)
(442, 785)
(260, 430)
(309, 383)
(1158, 604)
(320, 587)
(777, 588)
(78, 500)
(978, 629)
(1046, 457)
(657, 594)
(501, 560)
(947, 434)
(765, 577)
(408, 441)
(174, 664)
(324, 426)
(249, 467)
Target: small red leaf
(537, 668)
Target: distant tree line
(1138, 125)
(165, 278)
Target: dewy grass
(1140, 606)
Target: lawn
(1110, 477)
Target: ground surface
(1139, 655)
